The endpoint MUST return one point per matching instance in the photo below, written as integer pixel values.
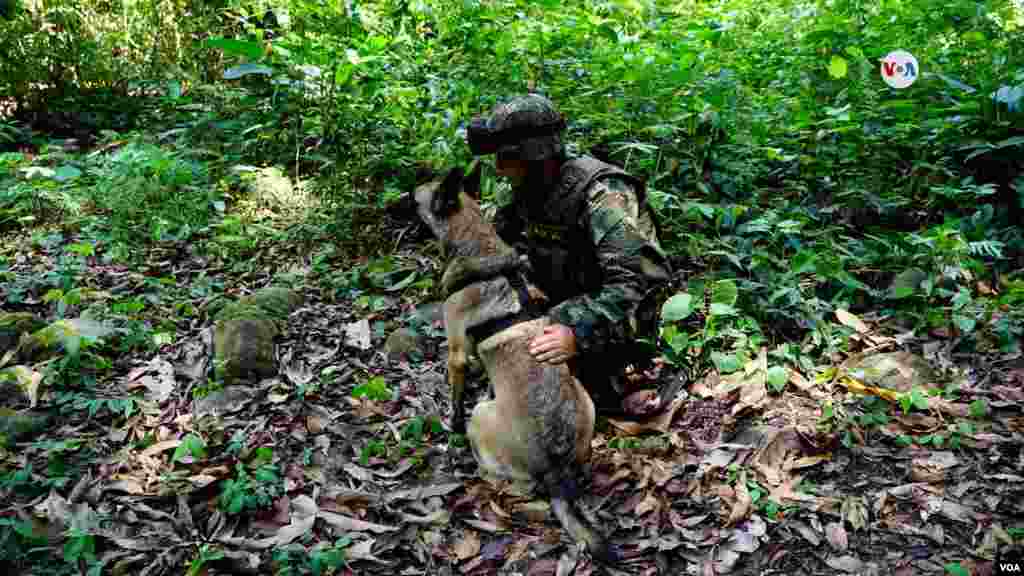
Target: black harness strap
(528, 311)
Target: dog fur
(538, 427)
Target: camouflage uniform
(593, 245)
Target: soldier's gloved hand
(556, 345)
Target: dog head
(448, 206)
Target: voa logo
(900, 69)
(1010, 568)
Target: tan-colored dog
(538, 427)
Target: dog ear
(471, 185)
(447, 196)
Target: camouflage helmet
(527, 127)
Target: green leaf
(777, 378)
(837, 68)
(375, 389)
(725, 292)
(718, 309)
(955, 569)
(402, 284)
(66, 172)
(919, 399)
(232, 47)
(827, 411)
(905, 402)
(191, 445)
(904, 440)
(965, 323)
(979, 408)
(677, 308)
(726, 363)
(803, 262)
(907, 283)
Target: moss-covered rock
(13, 325)
(17, 425)
(243, 335)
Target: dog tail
(581, 531)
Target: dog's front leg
(458, 360)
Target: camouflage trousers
(604, 377)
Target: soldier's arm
(631, 260)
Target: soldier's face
(511, 166)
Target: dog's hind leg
(498, 443)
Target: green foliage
(250, 491)
(207, 553)
(324, 558)
(955, 569)
(375, 389)
(191, 447)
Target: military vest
(561, 253)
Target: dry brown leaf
(806, 531)
(649, 503)
(468, 546)
(1011, 393)
(855, 512)
(836, 535)
(160, 447)
(157, 377)
(741, 504)
(568, 562)
(363, 551)
(314, 424)
(202, 480)
(851, 320)
(850, 564)
(799, 380)
(808, 461)
(419, 493)
(535, 511)
(543, 567)
(357, 334)
(123, 483)
(435, 517)
(484, 525)
(358, 472)
(353, 525)
(659, 423)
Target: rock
(244, 332)
(402, 343)
(13, 325)
(901, 371)
(224, 401)
(244, 349)
(15, 425)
